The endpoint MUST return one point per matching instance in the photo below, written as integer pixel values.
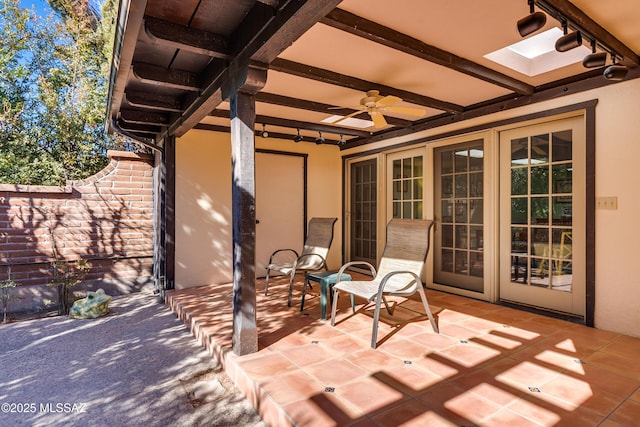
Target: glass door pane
(407, 187)
(364, 186)
(541, 210)
(459, 201)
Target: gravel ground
(138, 366)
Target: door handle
(257, 221)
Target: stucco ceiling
(324, 54)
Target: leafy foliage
(67, 274)
(53, 86)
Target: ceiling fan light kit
(374, 104)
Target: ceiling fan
(375, 104)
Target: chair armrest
(388, 276)
(305, 256)
(351, 264)
(281, 250)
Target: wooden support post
(164, 217)
(170, 211)
(159, 261)
(245, 332)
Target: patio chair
(313, 256)
(398, 274)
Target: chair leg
(266, 283)
(374, 332)
(386, 304)
(304, 293)
(334, 307)
(293, 275)
(434, 325)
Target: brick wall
(106, 219)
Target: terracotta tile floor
(490, 365)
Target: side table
(325, 279)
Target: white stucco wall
(203, 193)
(203, 202)
(617, 300)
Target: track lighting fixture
(594, 60)
(616, 71)
(341, 141)
(532, 22)
(319, 139)
(298, 137)
(568, 41)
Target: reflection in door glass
(541, 211)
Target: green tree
(53, 83)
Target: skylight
(351, 121)
(537, 54)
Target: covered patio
(490, 365)
(360, 94)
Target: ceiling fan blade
(378, 119)
(388, 100)
(355, 113)
(407, 110)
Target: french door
(459, 211)
(542, 221)
(363, 216)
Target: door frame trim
(305, 158)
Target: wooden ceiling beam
(160, 76)
(185, 38)
(579, 20)
(139, 128)
(372, 31)
(330, 77)
(143, 117)
(151, 101)
(589, 81)
(252, 41)
(279, 135)
(296, 124)
(286, 101)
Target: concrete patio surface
(138, 366)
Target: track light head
(319, 139)
(298, 137)
(264, 133)
(569, 41)
(531, 23)
(595, 60)
(341, 141)
(615, 72)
